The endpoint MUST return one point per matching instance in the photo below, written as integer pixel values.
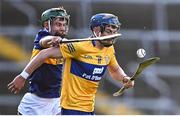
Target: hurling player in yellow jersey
(84, 66)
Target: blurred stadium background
(150, 24)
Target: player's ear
(45, 25)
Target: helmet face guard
(101, 20)
(52, 13)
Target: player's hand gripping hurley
(140, 68)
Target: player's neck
(99, 45)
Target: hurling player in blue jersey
(44, 83)
(84, 66)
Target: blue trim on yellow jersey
(94, 43)
(87, 71)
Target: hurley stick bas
(140, 68)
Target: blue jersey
(45, 81)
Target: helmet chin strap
(94, 34)
(49, 26)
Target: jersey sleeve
(113, 61)
(70, 50)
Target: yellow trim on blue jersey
(83, 69)
(48, 60)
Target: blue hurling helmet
(103, 19)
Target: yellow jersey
(84, 67)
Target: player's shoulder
(82, 44)
(111, 49)
(43, 32)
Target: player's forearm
(38, 60)
(46, 42)
(117, 73)
(35, 63)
